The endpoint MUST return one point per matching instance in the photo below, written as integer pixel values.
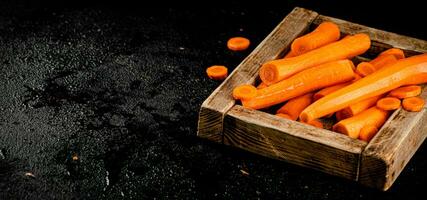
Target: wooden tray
(375, 164)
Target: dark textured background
(120, 86)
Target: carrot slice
(261, 85)
(325, 33)
(244, 92)
(371, 117)
(398, 53)
(406, 91)
(408, 71)
(277, 70)
(340, 115)
(413, 104)
(294, 106)
(217, 72)
(284, 116)
(389, 103)
(366, 68)
(315, 123)
(306, 81)
(238, 43)
(360, 106)
(367, 133)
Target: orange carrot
(358, 107)
(289, 54)
(406, 71)
(370, 117)
(244, 92)
(367, 133)
(366, 68)
(294, 106)
(325, 33)
(284, 116)
(315, 123)
(327, 90)
(413, 104)
(398, 53)
(238, 43)
(277, 70)
(389, 103)
(306, 81)
(261, 85)
(406, 91)
(217, 72)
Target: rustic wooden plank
(220, 101)
(381, 40)
(294, 142)
(392, 148)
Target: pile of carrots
(317, 79)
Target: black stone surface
(101, 102)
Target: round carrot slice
(238, 43)
(217, 72)
(286, 116)
(388, 103)
(244, 92)
(413, 104)
(367, 133)
(406, 91)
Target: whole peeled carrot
(325, 33)
(277, 70)
(294, 106)
(370, 117)
(306, 81)
(406, 71)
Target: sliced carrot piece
(217, 72)
(366, 68)
(315, 123)
(413, 104)
(238, 43)
(340, 115)
(360, 106)
(406, 91)
(261, 85)
(371, 117)
(367, 133)
(294, 106)
(398, 53)
(286, 116)
(244, 92)
(389, 103)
